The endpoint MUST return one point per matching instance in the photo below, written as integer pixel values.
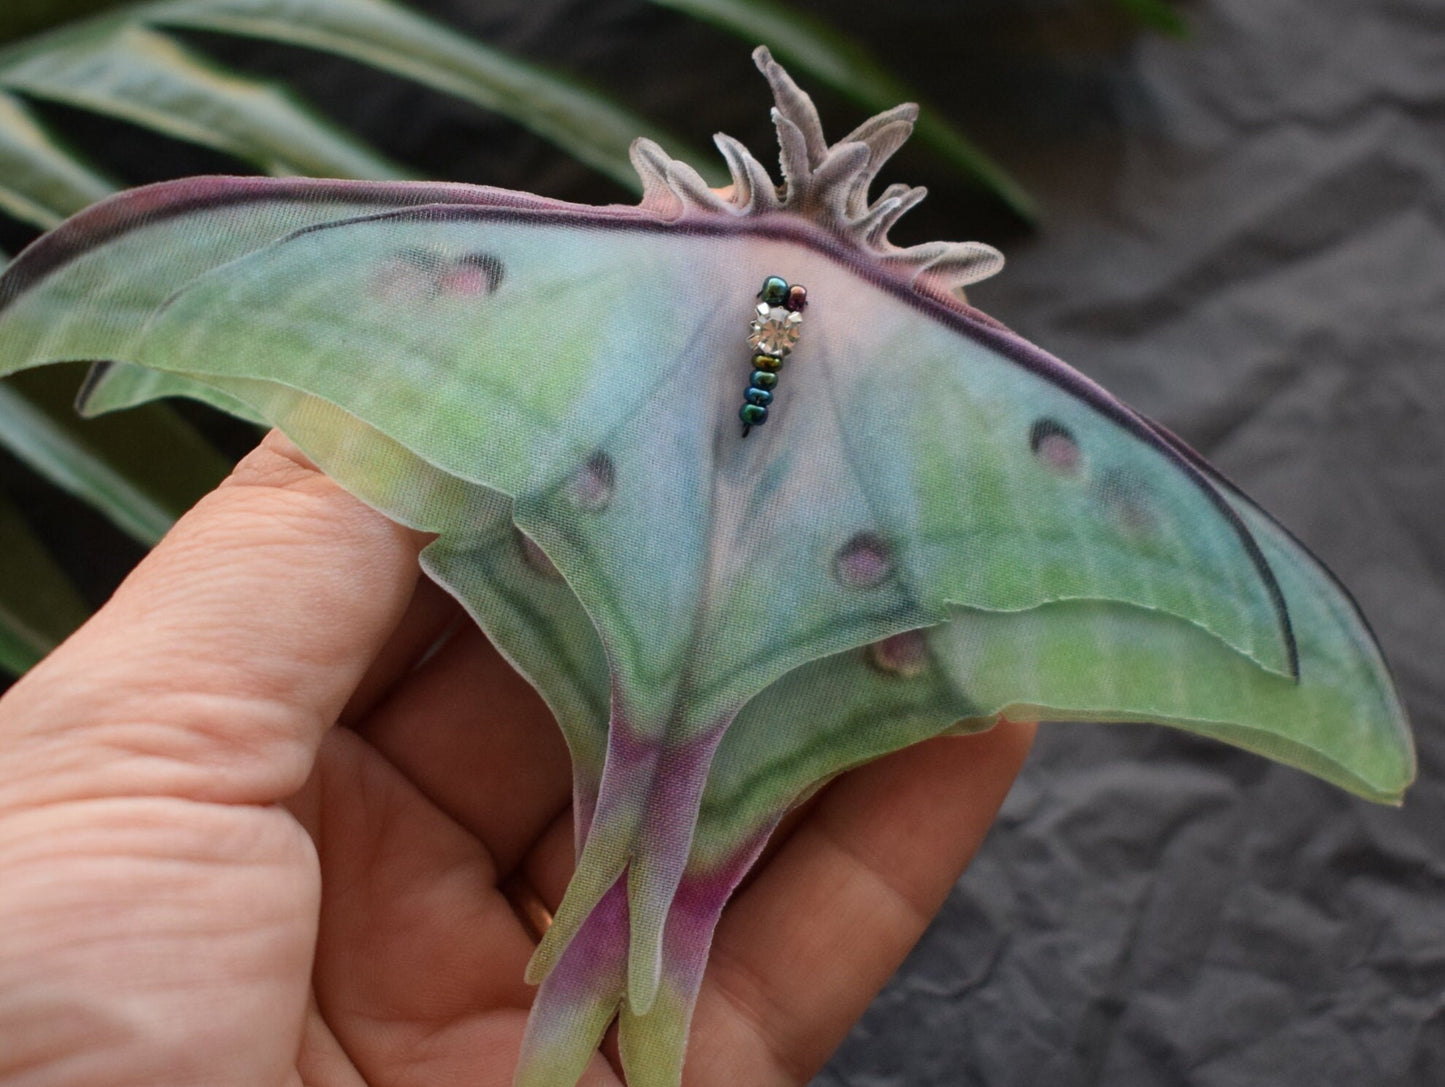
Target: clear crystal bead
(774, 330)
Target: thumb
(217, 666)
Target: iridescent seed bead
(767, 362)
(775, 290)
(760, 397)
(753, 414)
(764, 379)
(797, 298)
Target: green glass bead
(753, 414)
(761, 397)
(767, 362)
(775, 291)
(764, 379)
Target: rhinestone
(775, 330)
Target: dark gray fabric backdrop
(1250, 251)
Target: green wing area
(921, 470)
(107, 270)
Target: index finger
(216, 667)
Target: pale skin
(206, 881)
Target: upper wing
(86, 289)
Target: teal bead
(764, 379)
(753, 415)
(775, 291)
(761, 397)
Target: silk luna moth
(749, 493)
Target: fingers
(419, 959)
(547, 867)
(321, 1059)
(221, 660)
(413, 927)
(431, 616)
(803, 949)
(478, 742)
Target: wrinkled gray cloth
(1251, 254)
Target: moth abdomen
(773, 334)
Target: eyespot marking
(591, 486)
(1127, 499)
(419, 273)
(1055, 447)
(473, 273)
(865, 561)
(903, 655)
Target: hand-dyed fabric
(938, 523)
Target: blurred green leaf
(38, 604)
(581, 121)
(1156, 15)
(21, 17)
(807, 44)
(142, 468)
(144, 77)
(41, 180)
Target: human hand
(203, 881)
